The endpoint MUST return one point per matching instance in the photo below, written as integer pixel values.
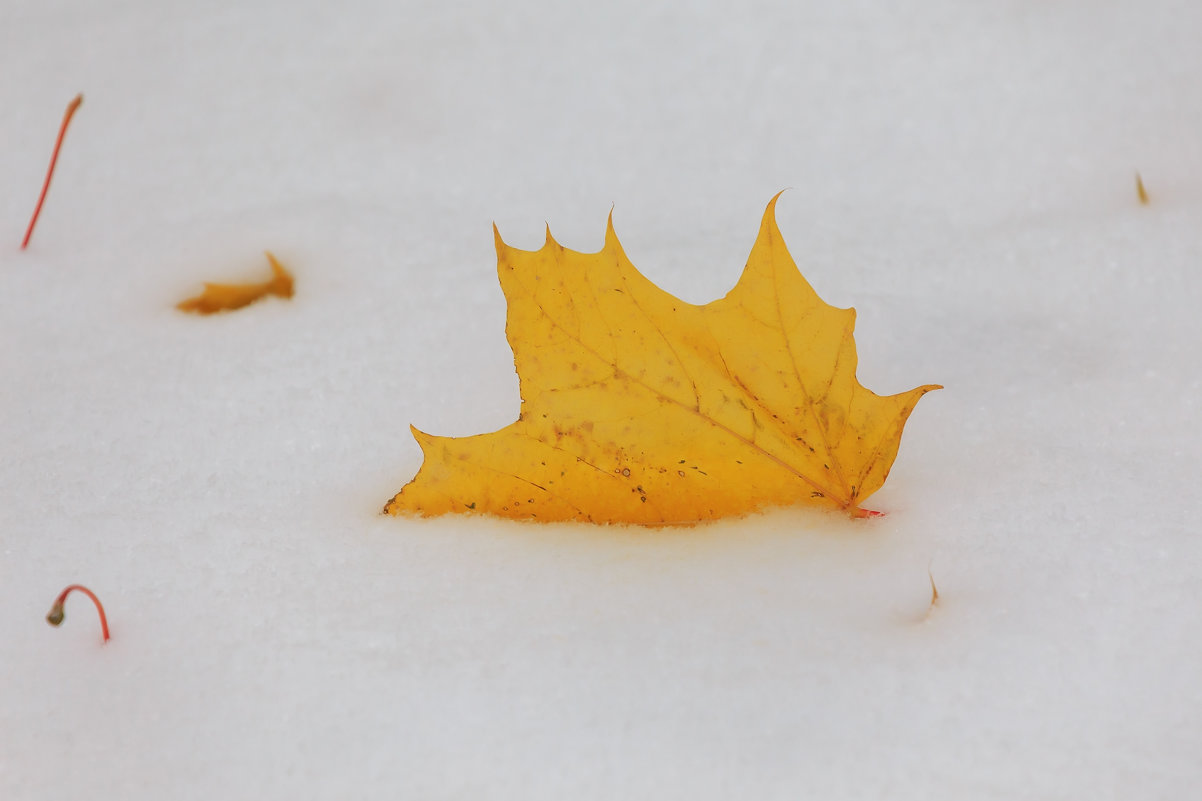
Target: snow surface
(962, 173)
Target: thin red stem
(62, 131)
(56, 612)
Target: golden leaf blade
(227, 297)
(640, 408)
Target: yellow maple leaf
(227, 297)
(640, 408)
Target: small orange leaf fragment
(227, 297)
(1139, 189)
(640, 408)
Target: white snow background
(962, 173)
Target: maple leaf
(227, 297)
(640, 408)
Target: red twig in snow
(62, 131)
(55, 617)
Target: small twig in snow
(55, 616)
(62, 131)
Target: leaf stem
(56, 615)
(62, 131)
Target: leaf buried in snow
(227, 297)
(640, 408)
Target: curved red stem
(56, 612)
(62, 131)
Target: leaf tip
(769, 231)
(282, 284)
(611, 236)
(770, 211)
(1140, 190)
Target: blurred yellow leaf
(1140, 191)
(227, 297)
(640, 408)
